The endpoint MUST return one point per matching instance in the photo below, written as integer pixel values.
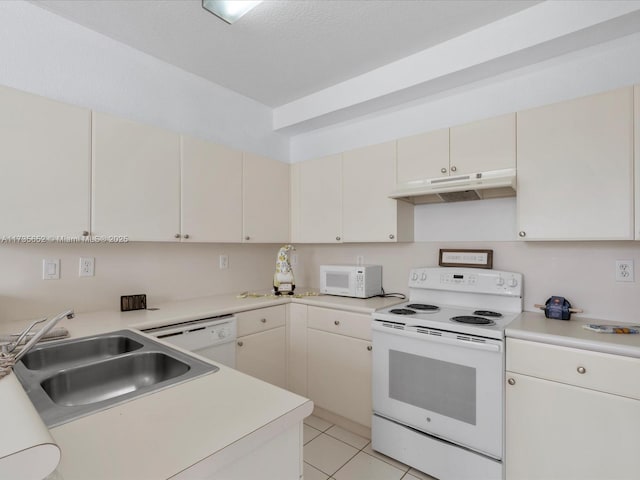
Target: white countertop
(569, 333)
(160, 434)
(92, 323)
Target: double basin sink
(69, 379)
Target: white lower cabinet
(339, 364)
(261, 344)
(562, 422)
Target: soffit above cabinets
(319, 63)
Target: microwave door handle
(411, 332)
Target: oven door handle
(410, 332)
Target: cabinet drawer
(598, 371)
(260, 320)
(344, 323)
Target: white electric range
(438, 372)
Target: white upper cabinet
(368, 214)
(136, 180)
(265, 203)
(575, 169)
(480, 146)
(45, 162)
(211, 192)
(423, 156)
(637, 157)
(317, 200)
(484, 145)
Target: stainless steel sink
(69, 379)
(67, 354)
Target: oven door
(446, 384)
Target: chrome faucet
(7, 348)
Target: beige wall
(583, 272)
(162, 271)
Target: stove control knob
(513, 282)
(414, 276)
(499, 281)
(423, 277)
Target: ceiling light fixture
(229, 10)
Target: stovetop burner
(423, 307)
(472, 319)
(487, 313)
(402, 311)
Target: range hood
(458, 188)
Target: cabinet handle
(522, 233)
(338, 238)
(186, 235)
(369, 347)
(263, 320)
(582, 370)
(240, 343)
(247, 237)
(443, 170)
(177, 235)
(454, 168)
(85, 233)
(336, 322)
(511, 381)
(391, 236)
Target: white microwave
(359, 281)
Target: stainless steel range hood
(473, 186)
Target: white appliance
(456, 188)
(359, 281)
(213, 338)
(438, 372)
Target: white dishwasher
(213, 338)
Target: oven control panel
(474, 280)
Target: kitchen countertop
(536, 327)
(162, 433)
(92, 323)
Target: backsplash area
(583, 272)
(164, 271)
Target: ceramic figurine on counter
(283, 281)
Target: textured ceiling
(283, 50)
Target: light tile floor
(333, 453)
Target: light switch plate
(51, 269)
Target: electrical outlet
(359, 260)
(294, 259)
(224, 262)
(87, 267)
(624, 271)
(51, 269)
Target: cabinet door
(265, 194)
(339, 375)
(136, 180)
(45, 161)
(483, 146)
(211, 192)
(637, 157)
(575, 169)
(423, 156)
(368, 214)
(297, 349)
(263, 355)
(319, 194)
(559, 431)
